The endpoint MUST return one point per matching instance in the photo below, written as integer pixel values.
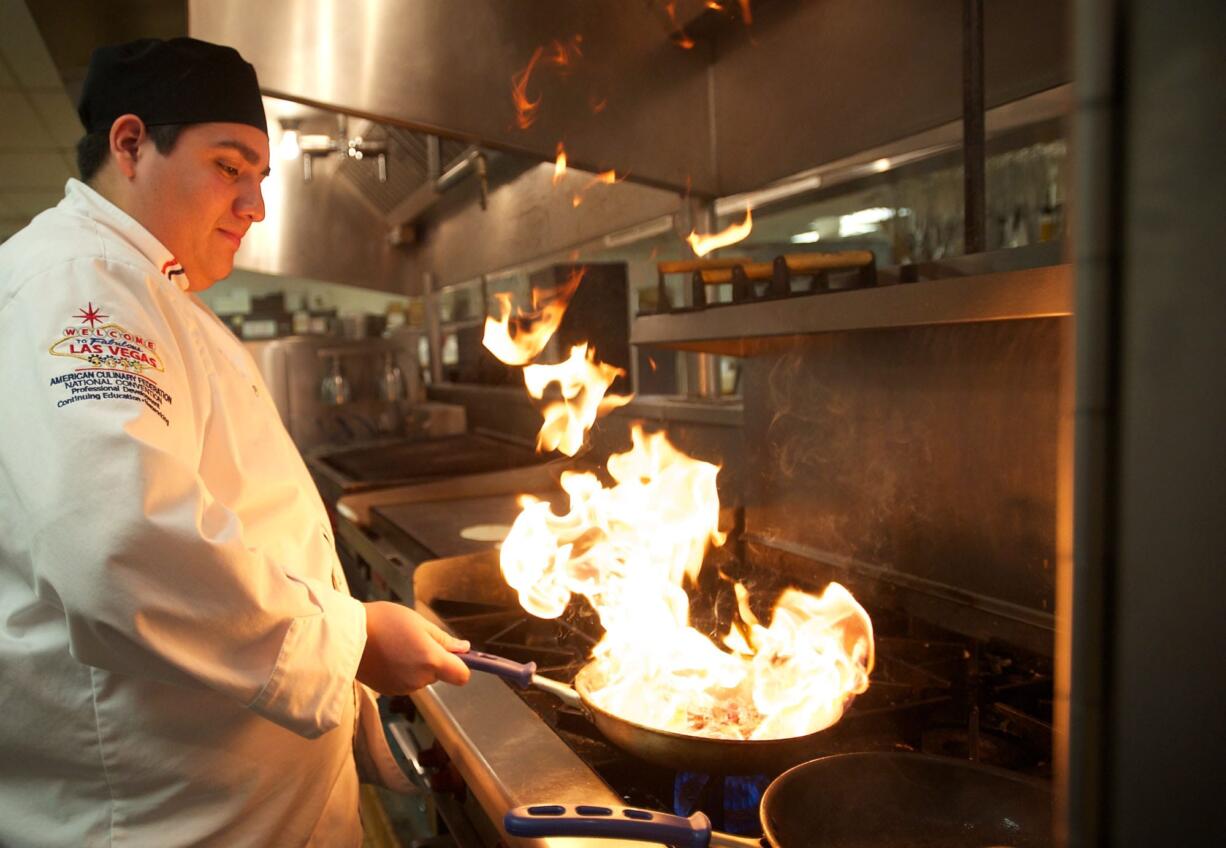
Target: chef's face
(200, 199)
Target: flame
(582, 382)
(712, 4)
(563, 55)
(525, 109)
(532, 329)
(679, 34)
(702, 245)
(605, 177)
(629, 548)
(559, 165)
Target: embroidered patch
(109, 345)
(118, 366)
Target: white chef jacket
(177, 644)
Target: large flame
(702, 245)
(582, 382)
(532, 330)
(628, 549)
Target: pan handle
(518, 673)
(544, 820)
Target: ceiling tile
(33, 171)
(7, 80)
(29, 203)
(58, 116)
(23, 47)
(21, 128)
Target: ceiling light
(864, 221)
(287, 148)
(806, 238)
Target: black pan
(662, 747)
(868, 800)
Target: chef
(180, 660)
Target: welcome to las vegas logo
(107, 345)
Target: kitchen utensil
(863, 800)
(391, 380)
(663, 747)
(334, 388)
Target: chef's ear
(127, 135)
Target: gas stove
(408, 462)
(932, 691)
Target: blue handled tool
(522, 675)
(609, 823)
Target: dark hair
(94, 148)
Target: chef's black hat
(179, 81)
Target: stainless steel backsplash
(924, 458)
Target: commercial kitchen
(810, 411)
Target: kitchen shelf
(747, 329)
(465, 324)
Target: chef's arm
(155, 580)
(405, 651)
(155, 576)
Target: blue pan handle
(518, 673)
(544, 820)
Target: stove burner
(731, 802)
(931, 691)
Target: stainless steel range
(917, 466)
(498, 746)
(488, 747)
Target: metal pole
(702, 369)
(434, 334)
(972, 126)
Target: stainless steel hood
(446, 68)
(807, 83)
(328, 228)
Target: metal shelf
(747, 329)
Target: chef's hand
(405, 652)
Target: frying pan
(866, 800)
(662, 747)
